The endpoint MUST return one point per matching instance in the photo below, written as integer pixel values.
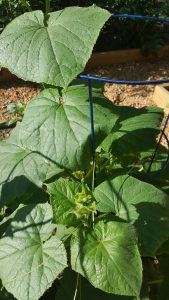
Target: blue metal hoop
(128, 82)
(139, 17)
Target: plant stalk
(77, 283)
(47, 2)
(26, 4)
(157, 281)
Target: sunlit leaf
(103, 255)
(53, 49)
(30, 257)
(140, 204)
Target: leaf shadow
(152, 223)
(152, 226)
(150, 219)
(8, 230)
(136, 141)
(21, 189)
(125, 139)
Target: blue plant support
(157, 146)
(129, 82)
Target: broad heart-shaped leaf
(85, 290)
(52, 51)
(108, 258)
(22, 171)
(30, 259)
(63, 203)
(52, 136)
(58, 125)
(135, 132)
(139, 203)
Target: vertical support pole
(92, 129)
(158, 144)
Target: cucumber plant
(62, 212)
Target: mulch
(128, 95)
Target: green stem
(26, 4)
(77, 283)
(157, 281)
(93, 176)
(47, 6)
(93, 186)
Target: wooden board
(161, 96)
(124, 56)
(108, 59)
(6, 75)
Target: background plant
(117, 34)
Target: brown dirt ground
(13, 92)
(139, 95)
(136, 96)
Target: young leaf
(139, 203)
(63, 202)
(53, 50)
(58, 125)
(103, 255)
(72, 203)
(30, 259)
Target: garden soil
(127, 95)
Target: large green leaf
(22, 171)
(139, 203)
(52, 49)
(30, 259)
(105, 197)
(54, 135)
(108, 258)
(85, 291)
(135, 131)
(63, 202)
(58, 125)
